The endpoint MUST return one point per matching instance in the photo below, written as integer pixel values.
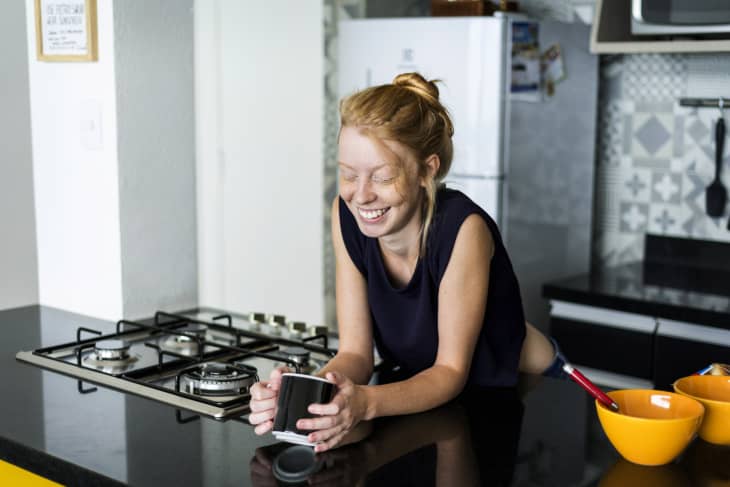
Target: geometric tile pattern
(652, 135)
(654, 77)
(666, 188)
(655, 158)
(634, 217)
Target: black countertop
(544, 433)
(672, 292)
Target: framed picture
(66, 30)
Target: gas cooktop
(201, 360)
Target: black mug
(296, 393)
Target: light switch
(90, 124)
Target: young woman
(421, 271)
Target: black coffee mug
(296, 393)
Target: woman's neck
(406, 243)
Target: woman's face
(380, 184)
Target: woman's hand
(264, 396)
(338, 417)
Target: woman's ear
(432, 163)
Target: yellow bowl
(713, 391)
(652, 427)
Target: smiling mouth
(372, 215)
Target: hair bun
(418, 84)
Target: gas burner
(111, 350)
(298, 355)
(223, 381)
(186, 344)
(191, 331)
(110, 356)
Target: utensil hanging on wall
(716, 194)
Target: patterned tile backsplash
(655, 158)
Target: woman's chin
(370, 231)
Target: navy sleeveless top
(405, 319)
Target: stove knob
(276, 320)
(297, 326)
(256, 317)
(317, 330)
(254, 321)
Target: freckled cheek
(391, 196)
(347, 191)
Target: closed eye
(382, 179)
(348, 176)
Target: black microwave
(680, 17)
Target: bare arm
(354, 358)
(537, 352)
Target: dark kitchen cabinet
(602, 347)
(681, 349)
(611, 347)
(627, 350)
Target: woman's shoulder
(453, 209)
(453, 206)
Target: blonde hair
(408, 111)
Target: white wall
(76, 182)
(259, 132)
(115, 206)
(18, 263)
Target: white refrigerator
(529, 165)
(468, 55)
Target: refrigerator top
(468, 56)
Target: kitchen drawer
(682, 349)
(613, 341)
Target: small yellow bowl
(652, 427)
(713, 391)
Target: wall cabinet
(628, 350)
(611, 34)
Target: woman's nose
(364, 192)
